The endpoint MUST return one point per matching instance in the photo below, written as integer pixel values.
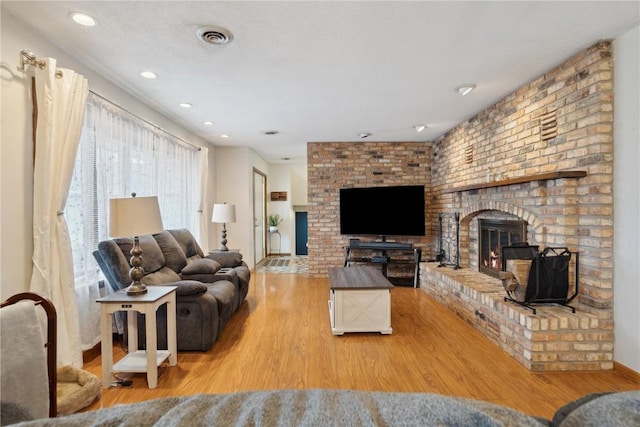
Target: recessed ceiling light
(224, 135)
(148, 74)
(465, 89)
(420, 128)
(82, 19)
(185, 105)
(208, 123)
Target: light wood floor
(281, 338)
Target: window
(120, 154)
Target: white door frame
(259, 216)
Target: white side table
(139, 360)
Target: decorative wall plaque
(278, 196)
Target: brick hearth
(553, 339)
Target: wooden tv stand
(379, 253)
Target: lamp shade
(223, 213)
(134, 216)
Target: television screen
(383, 211)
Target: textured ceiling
(327, 70)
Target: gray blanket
(302, 408)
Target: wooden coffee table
(360, 300)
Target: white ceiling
(324, 70)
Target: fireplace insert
(493, 235)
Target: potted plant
(274, 220)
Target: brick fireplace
(543, 156)
(553, 339)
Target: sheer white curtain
(120, 154)
(203, 215)
(61, 96)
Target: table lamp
(135, 216)
(223, 213)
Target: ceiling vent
(214, 35)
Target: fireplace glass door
(493, 236)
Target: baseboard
(92, 353)
(96, 350)
(626, 371)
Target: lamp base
(136, 289)
(223, 241)
(137, 272)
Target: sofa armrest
(226, 259)
(225, 273)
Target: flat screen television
(383, 211)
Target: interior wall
(279, 179)
(234, 181)
(299, 186)
(626, 202)
(16, 153)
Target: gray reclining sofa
(210, 288)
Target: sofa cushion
(114, 264)
(174, 256)
(188, 243)
(161, 277)
(188, 287)
(152, 258)
(202, 266)
(227, 259)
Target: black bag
(549, 276)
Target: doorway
(259, 215)
(301, 234)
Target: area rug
(283, 265)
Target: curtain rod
(146, 121)
(29, 58)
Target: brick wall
(336, 165)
